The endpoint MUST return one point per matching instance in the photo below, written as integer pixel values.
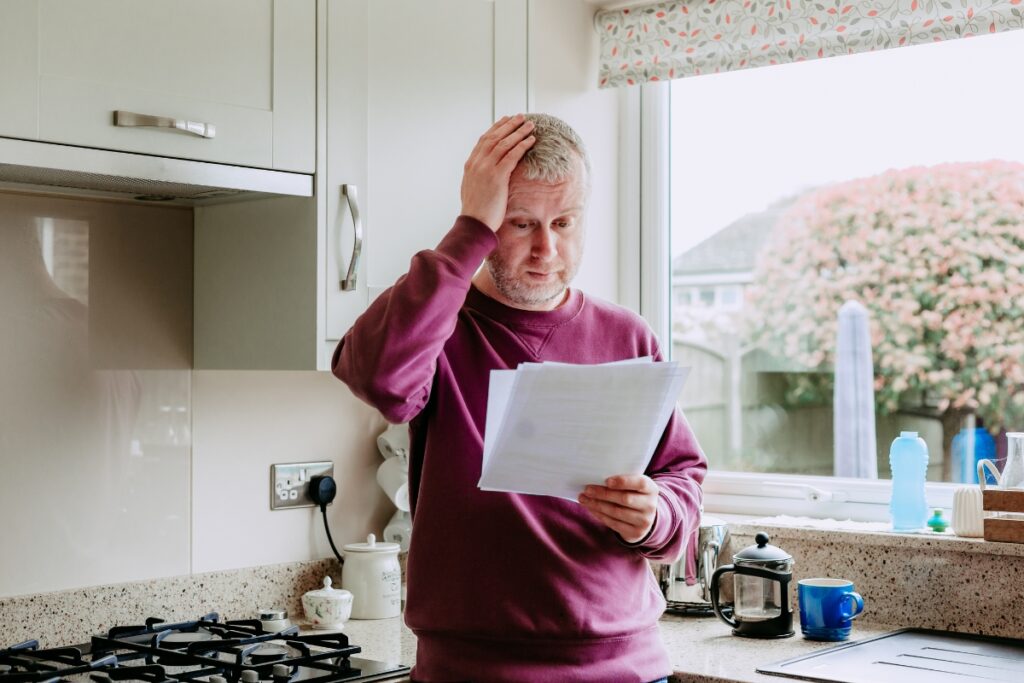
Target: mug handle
(855, 601)
(721, 571)
(991, 467)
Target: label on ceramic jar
(392, 581)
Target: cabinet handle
(131, 119)
(348, 283)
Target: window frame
(645, 285)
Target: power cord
(322, 490)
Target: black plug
(322, 490)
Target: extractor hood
(41, 165)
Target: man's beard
(522, 293)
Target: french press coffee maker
(761, 577)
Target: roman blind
(667, 40)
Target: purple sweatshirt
(510, 587)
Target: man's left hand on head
(626, 503)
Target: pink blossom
(936, 254)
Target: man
(509, 587)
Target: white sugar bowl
(327, 607)
(371, 571)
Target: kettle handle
(710, 560)
(727, 569)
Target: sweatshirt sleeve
(389, 356)
(678, 467)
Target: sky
(742, 140)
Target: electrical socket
(289, 483)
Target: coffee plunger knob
(761, 539)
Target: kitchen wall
(563, 69)
(244, 421)
(95, 391)
(119, 462)
(181, 485)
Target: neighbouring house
(715, 272)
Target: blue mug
(828, 608)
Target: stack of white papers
(553, 428)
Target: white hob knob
(250, 676)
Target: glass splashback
(95, 395)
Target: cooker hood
(42, 166)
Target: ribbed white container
(968, 517)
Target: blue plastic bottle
(965, 465)
(908, 459)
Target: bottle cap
(937, 523)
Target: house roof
(734, 248)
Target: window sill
(759, 495)
(797, 528)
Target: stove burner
(182, 639)
(268, 653)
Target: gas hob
(205, 650)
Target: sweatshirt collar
(496, 310)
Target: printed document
(553, 428)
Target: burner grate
(205, 650)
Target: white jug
(1012, 476)
(372, 573)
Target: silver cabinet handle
(131, 119)
(348, 283)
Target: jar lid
(273, 614)
(327, 591)
(762, 551)
(371, 546)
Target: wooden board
(1005, 530)
(1003, 501)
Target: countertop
(702, 649)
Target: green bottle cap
(937, 523)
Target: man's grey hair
(553, 156)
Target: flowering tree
(937, 256)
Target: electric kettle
(761, 577)
(686, 584)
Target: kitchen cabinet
(410, 87)
(405, 88)
(245, 67)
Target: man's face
(540, 241)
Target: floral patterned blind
(691, 37)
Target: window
(891, 178)
(729, 297)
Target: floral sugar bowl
(327, 607)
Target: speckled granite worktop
(702, 649)
(925, 581)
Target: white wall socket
(289, 483)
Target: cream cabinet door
(410, 87)
(18, 83)
(245, 67)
